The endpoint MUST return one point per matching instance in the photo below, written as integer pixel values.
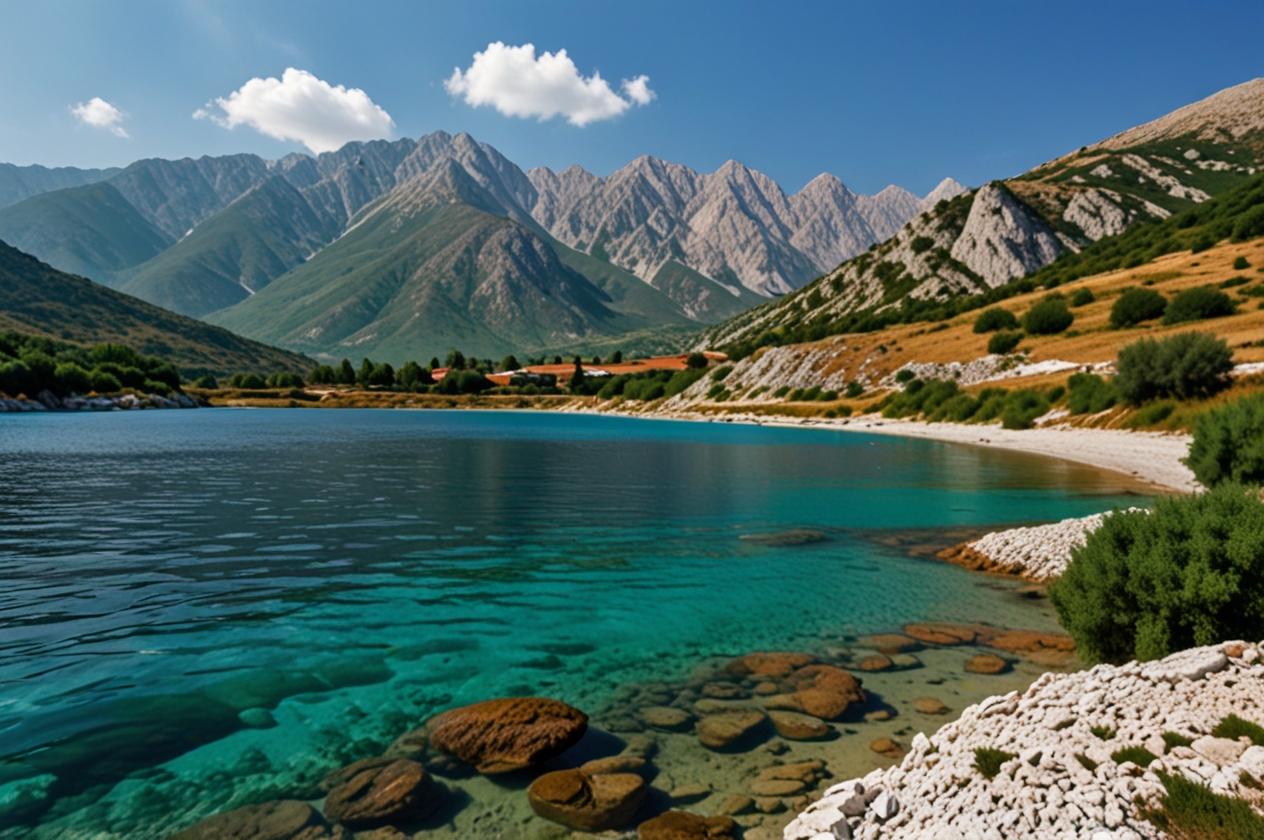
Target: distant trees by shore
(32, 364)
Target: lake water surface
(355, 571)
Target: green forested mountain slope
(434, 265)
(37, 299)
(90, 230)
(233, 254)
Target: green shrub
(721, 373)
(1087, 763)
(1139, 756)
(1090, 394)
(151, 386)
(854, 389)
(695, 360)
(1145, 585)
(996, 318)
(1234, 727)
(782, 391)
(1229, 443)
(1191, 811)
(1198, 304)
(988, 761)
(70, 378)
(1233, 282)
(811, 393)
(921, 244)
(1137, 305)
(904, 375)
(1003, 342)
(289, 380)
(715, 391)
(1240, 263)
(1083, 297)
(919, 397)
(1184, 366)
(106, 383)
(1022, 408)
(1175, 739)
(244, 381)
(681, 380)
(1048, 317)
(827, 396)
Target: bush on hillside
(1229, 443)
(1022, 408)
(1048, 317)
(1083, 297)
(1137, 305)
(996, 318)
(285, 380)
(1184, 366)
(1003, 342)
(1146, 585)
(1198, 304)
(695, 360)
(208, 382)
(247, 381)
(105, 383)
(1090, 394)
(72, 379)
(1241, 263)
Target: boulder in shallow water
(799, 727)
(889, 643)
(887, 747)
(986, 663)
(730, 728)
(681, 825)
(377, 793)
(500, 736)
(279, 820)
(666, 717)
(942, 633)
(768, 664)
(587, 803)
(257, 718)
(822, 691)
(875, 663)
(930, 706)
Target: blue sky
(876, 93)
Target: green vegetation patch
(1139, 756)
(1198, 304)
(1192, 812)
(996, 318)
(1104, 733)
(1137, 305)
(1146, 585)
(988, 761)
(1003, 342)
(30, 364)
(1090, 394)
(1175, 739)
(1184, 366)
(1234, 727)
(1048, 317)
(1229, 443)
(1087, 763)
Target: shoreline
(1148, 457)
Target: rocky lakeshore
(1038, 553)
(1075, 755)
(48, 401)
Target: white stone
(1193, 664)
(1222, 751)
(886, 805)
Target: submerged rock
(768, 664)
(378, 791)
(930, 706)
(730, 728)
(986, 663)
(681, 825)
(666, 717)
(795, 536)
(500, 736)
(822, 691)
(587, 803)
(280, 820)
(257, 718)
(799, 727)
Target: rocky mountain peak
(1231, 113)
(946, 190)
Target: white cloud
(301, 107)
(516, 83)
(98, 113)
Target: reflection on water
(352, 572)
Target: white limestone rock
(1001, 240)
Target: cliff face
(1001, 240)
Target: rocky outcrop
(48, 401)
(1002, 240)
(1039, 553)
(501, 736)
(1074, 755)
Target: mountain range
(404, 249)
(1007, 229)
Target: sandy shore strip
(1153, 457)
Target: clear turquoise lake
(355, 571)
